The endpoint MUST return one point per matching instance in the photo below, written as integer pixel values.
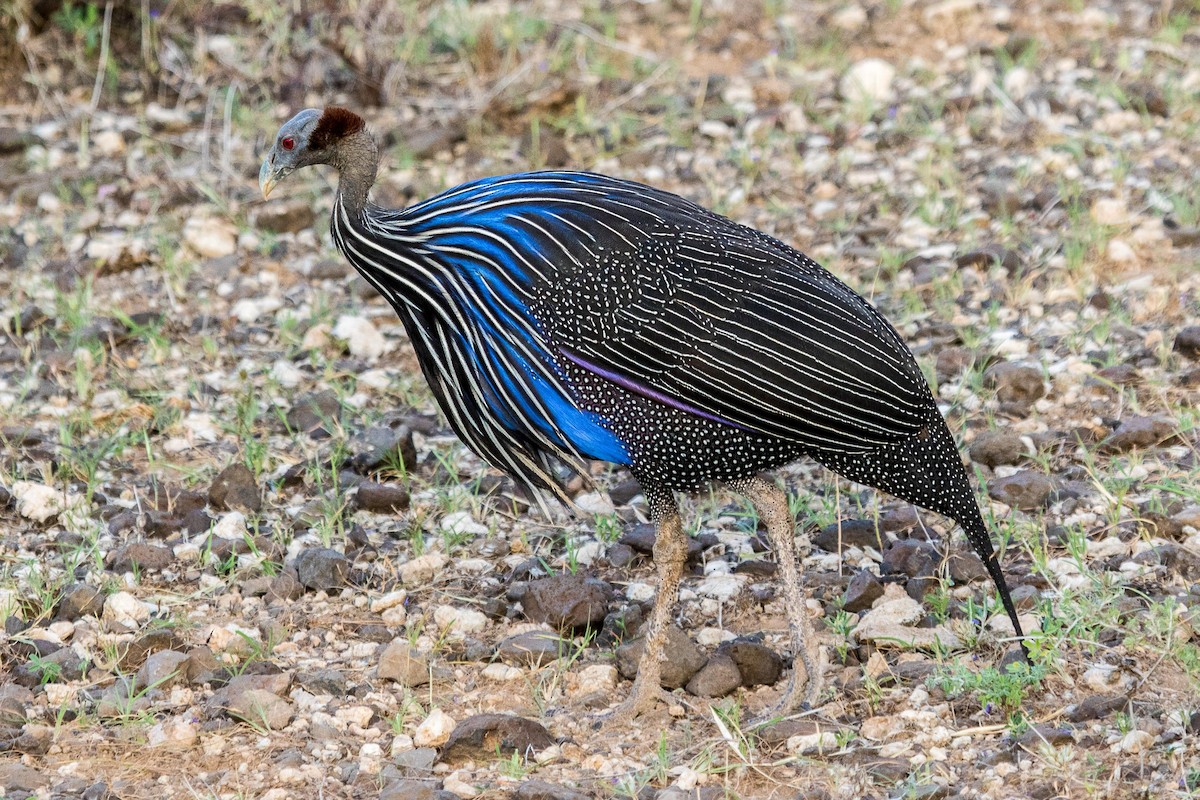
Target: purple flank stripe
(646, 391)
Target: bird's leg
(772, 506)
(670, 557)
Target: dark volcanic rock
(1022, 384)
(1139, 432)
(484, 736)
(566, 601)
(315, 413)
(1097, 706)
(382, 498)
(139, 556)
(717, 678)
(1187, 342)
(682, 659)
(532, 648)
(997, 447)
(1027, 490)
(541, 790)
(852, 532)
(863, 591)
(80, 600)
(758, 664)
(235, 490)
(322, 568)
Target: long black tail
(928, 471)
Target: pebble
(362, 338)
(1027, 490)
(402, 663)
(418, 571)
(681, 659)
(124, 612)
(595, 678)
(459, 621)
(1136, 742)
(321, 568)
(717, 678)
(210, 237)
(566, 602)
(434, 730)
(484, 736)
(869, 80)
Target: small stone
(80, 600)
(1136, 741)
(889, 623)
(681, 659)
(176, 731)
(541, 790)
(868, 81)
(235, 490)
(532, 648)
(434, 730)
(410, 789)
(123, 612)
(18, 779)
(1110, 211)
(848, 533)
(286, 217)
(402, 663)
(261, 708)
(421, 570)
(1027, 490)
(1097, 706)
(382, 498)
(139, 557)
(994, 448)
(210, 237)
(486, 736)
(596, 678)
(758, 664)
(988, 256)
(566, 602)
(459, 621)
(315, 413)
(863, 590)
(363, 339)
(1137, 432)
(322, 569)
(965, 566)
(717, 678)
(1022, 384)
(162, 670)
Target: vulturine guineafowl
(569, 316)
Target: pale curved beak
(268, 176)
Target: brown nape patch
(335, 124)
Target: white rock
(250, 309)
(37, 501)
(370, 758)
(812, 743)
(362, 338)
(881, 729)
(394, 617)
(501, 672)
(434, 730)
(123, 611)
(355, 715)
(721, 587)
(475, 566)
(231, 526)
(316, 337)
(850, 18)
(1102, 677)
(596, 678)
(59, 694)
(420, 570)
(174, 731)
(1017, 83)
(111, 247)
(868, 81)
(1119, 252)
(1136, 742)
(9, 601)
(639, 592)
(402, 743)
(589, 552)
(460, 620)
(1107, 547)
(169, 119)
(595, 503)
(1110, 211)
(715, 129)
(232, 639)
(109, 143)
(889, 623)
(711, 637)
(390, 600)
(456, 784)
(461, 522)
(210, 237)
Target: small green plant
(996, 690)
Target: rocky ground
(242, 556)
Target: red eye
(287, 143)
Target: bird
(563, 317)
